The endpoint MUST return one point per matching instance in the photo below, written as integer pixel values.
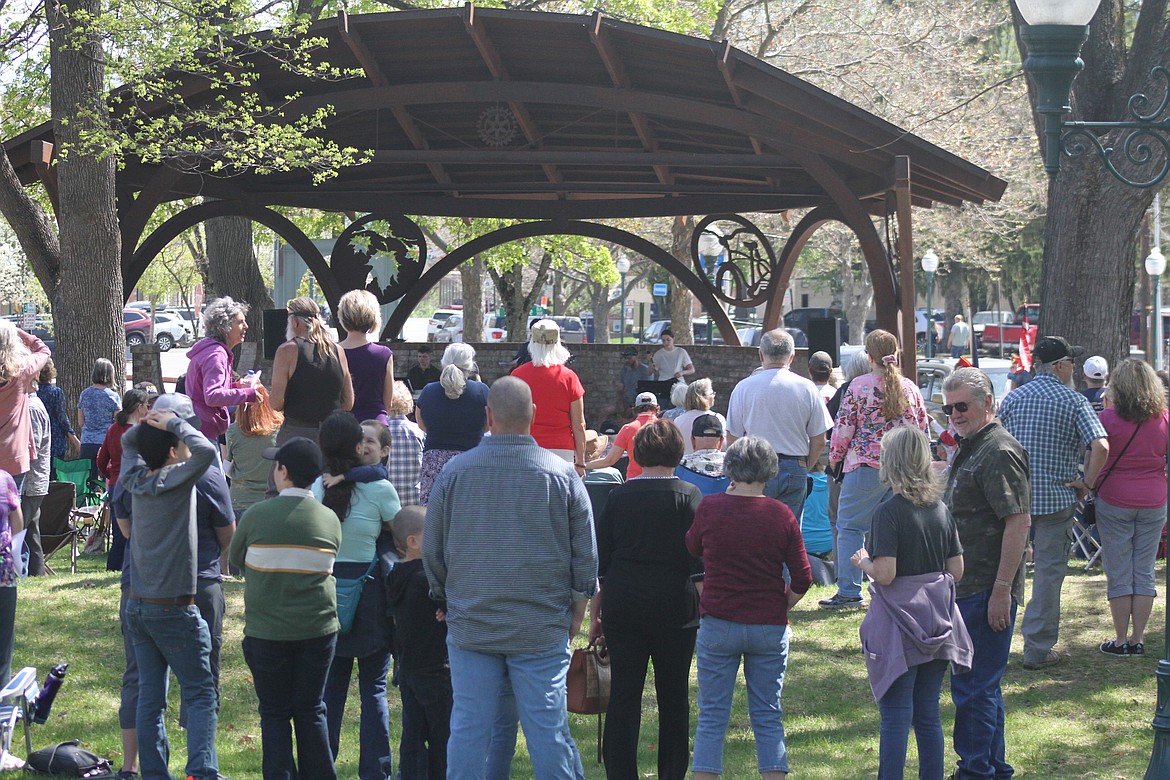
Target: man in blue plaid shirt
(1056, 425)
(406, 446)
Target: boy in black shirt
(420, 652)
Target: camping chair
(62, 523)
(15, 707)
(1085, 538)
(90, 490)
(90, 500)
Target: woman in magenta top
(21, 357)
(209, 374)
(1131, 500)
(874, 404)
(559, 423)
(745, 540)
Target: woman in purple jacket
(907, 638)
(209, 375)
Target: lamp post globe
(929, 266)
(1155, 267)
(623, 267)
(1077, 12)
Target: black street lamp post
(1054, 34)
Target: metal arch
(170, 230)
(613, 235)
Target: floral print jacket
(858, 431)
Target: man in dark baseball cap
(703, 467)
(1051, 349)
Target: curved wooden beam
(293, 235)
(885, 287)
(562, 228)
(787, 263)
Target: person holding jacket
(913, 628)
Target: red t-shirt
(109, 457)
(625, 441)
(744, 543)
(554, 389)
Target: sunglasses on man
(961, 407)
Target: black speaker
(275, 322)
(824, 335)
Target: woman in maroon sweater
(745, 540)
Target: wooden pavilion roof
(607, 119)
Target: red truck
(1008, 336)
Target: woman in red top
(135, 405)
(559, 423)
(745, 540)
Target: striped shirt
(1055, 424)
(405, 461)
(288, 545)
(509, 544)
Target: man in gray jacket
(162, 459)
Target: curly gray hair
(751, 460)
(218, 316)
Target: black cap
(299, 452)
(1053, 348)
(706, 425)
(629, 352)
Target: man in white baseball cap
(1096, 375)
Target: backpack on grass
(66, 759)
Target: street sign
(660, 288)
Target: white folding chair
(16, 707)
(1083, 538)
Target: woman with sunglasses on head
(874, 404)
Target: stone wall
(596, 364)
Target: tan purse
(588, 684)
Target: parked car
(750, 337)
(452, 330)
(572, 329)
(932, 373)
(194, 322)
(438, 319)
(170, 327)
(138, 326)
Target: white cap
(1096, 367)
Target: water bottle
(44, 700)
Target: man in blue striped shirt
(509, 551)
(1056, 425)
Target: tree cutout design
(384, 254)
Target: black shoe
(837, 601)
(1112, 648)
(1137, 649)
(126, 774)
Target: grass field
(1087, 718)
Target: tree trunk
(88, 292)
(232, 267)
(1090, 259)
(472, 273)
(600, 304)
(680, 296)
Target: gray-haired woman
(745, 540)
(453, 412)
(559, 422)
(700, 397)
(209, 374)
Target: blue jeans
(503, 746)
(374, 731)
(764, 649)
(426, 724)
(913, 699)
(790, 485)
(978, 699)
(175, 637)
(538, 681)
(290, 683)
(861, 492)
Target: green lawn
(1088, 718)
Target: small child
(420, 649)
(374, 452)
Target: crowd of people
(377, 532)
